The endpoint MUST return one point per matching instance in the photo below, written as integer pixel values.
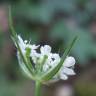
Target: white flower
(51, 61)
(24, 44)
(69, 61)
(45, 50)
(55, 59)
(34, 55)
(67, 68)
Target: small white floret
(69, 61)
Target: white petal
(25, 41)
(45, 67)
(34, 59)
(21, 44)
(35, 47)
(32, 47)
(45, 50)
(20, 39)
(55, 59)
(56, 56)
(68, 71)
(69, 61)
(34, 55)
(63, 76)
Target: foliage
(70, 11)
(86, 89)
(31, 17)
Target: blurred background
(53, 22)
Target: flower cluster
(43, 59)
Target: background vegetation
(53, 22)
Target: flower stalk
(37, 88)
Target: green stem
(37, 88)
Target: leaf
(53, 71)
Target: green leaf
(47, 76)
